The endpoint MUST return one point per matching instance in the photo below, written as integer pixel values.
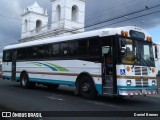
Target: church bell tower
(34, 18)
(68, 15)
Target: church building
(67, 18)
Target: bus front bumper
(134, 92)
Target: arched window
(38, 24)
(75, 13)
(58, 13)
(25, 26)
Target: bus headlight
(153, 83)
(129, 82)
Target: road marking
(53, 98)
(104, 104)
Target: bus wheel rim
(86, 87)
(23, 81)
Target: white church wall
(31, 26)
(31, 15)
(66, 14)
(62, 24)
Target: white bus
(112, 61)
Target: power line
(118, 18)
(121, 20)
(132, 13)
(9, 17)
(103, 10)
(108, 12)
(101, 22)
(88, 18)
(132, 18)
(113, 23)
(118, 21)
(87, 15)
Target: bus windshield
(137, 52)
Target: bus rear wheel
(87, 88)
(24, 81)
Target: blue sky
(96, 11)
(155, 32)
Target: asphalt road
(15, 98)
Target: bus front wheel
(87, 88)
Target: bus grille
(137, 71)
(141, 71)
(144, 71)
(141, 83)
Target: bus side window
(34, 52)
(29, 53)
(22, 54)
(73, 46)
(7, 56)
(55, 50)
(64, 49)
(48, 51)
(41, 52)
(82, 47)
(94, 47)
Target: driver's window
(146, 52)
(129, 52)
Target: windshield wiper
(135, 59)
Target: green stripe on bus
(54, 67)
(58, 67)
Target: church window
(38, 24)
(58, 13)
(75, 13)
(26, 25)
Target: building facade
(33, 19)
(68, 17)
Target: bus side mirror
(123, 51)
(156, 53)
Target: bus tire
(52, 86)
(87, 88)
(24, 81)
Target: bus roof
(100, 33)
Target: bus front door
(107, 70)
(14, 54)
